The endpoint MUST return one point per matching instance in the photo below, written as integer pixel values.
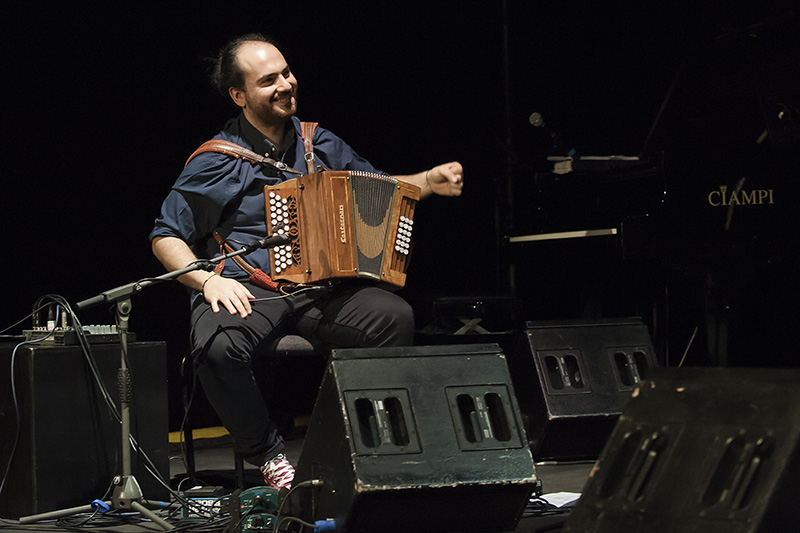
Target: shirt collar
(261, 144)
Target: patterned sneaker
(278, 472)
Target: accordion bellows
(346, 224)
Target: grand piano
(695, 232)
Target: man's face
(270, 89)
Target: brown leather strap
(257, 276)
(308, 129)
(235, 150)
(239, 260)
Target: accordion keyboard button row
(279, 216)
(403, 242)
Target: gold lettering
(739, 197)
(748, 198)
(342, 233)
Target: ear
(237, 95)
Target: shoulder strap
(235, 150)
(308, 129)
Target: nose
(285, 83)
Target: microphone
(537, 121)
(276, 239)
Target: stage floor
(214, 465)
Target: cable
(241, 519)
(304, 484)
(286, 519)
(93, 520)
(18, 322)
(81, 337)
(18, 431)
(290, 294)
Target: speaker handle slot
(555, 373)
(367, 423)
(634, 463)
(626, 369)
(563, 371)
(621, 464)
(640, 364)
(393, 408)
(498, 417)
(469, 418)
(645, 462)
(630, 365)
(382, 421)
(735, 475)
(573, 376)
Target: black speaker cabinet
(425, 438)
(700, 450)
(575, 377)
(69, 445)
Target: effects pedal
(204, 502)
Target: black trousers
(351, 315)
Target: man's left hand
(446, 179)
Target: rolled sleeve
(199, 198)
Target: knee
(393, 326)
(224, 347)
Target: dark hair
(225, 71)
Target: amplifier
(69, 446)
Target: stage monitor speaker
(700, 450)
(419, 439)
(586, 371)
(69, 444)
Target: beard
(273, 112)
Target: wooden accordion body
(345, 223)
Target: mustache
(291, 92)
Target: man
(233, 317)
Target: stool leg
(239, 466)
(188, 441)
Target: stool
(287, 346)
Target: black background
(103, 102)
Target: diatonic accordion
(345, 224)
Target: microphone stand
(127, 492)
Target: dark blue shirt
(216, 192)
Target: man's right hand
(174, 253)
(228, 293)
